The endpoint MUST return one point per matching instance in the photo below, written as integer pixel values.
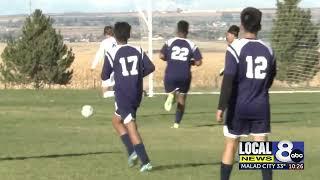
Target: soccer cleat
(169, 102)
(146, 167)
(133, 159)
(175, 126)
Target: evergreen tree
(295, 41)
(39, 56)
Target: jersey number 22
(180, 54)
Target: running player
(108, 43)
(179, 53)
(250, 68)
(129, 64)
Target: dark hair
(183, 27)
(108, 30)
(234, 29)
(251, 19)
(122, 31)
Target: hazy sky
(60, 6)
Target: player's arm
(226, 90)
(98, 56)
(163, 52)
(148, 66)
(227, 83)
(197, 56)
(273, 72)
(107, 68)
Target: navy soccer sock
(142, 154)
(267, 174)
(127, 142)
(225, 171)
(179, 113)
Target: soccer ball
(87, 111)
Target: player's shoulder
(111, 52)
(266, 45)
(170, 41)
(133, 47)
(181, 40)
(237, 45)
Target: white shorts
(226, 133)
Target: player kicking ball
(179, 53)
(129, 64)
(250, 68)
(108, 43)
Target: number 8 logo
(282, 149)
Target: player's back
(128, 68)
(255, 72)
(179, 52)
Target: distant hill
(205, 25)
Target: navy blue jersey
(253, 65)
(129, 64)
(179, 53)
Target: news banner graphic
(283, 155)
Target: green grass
(43, 136)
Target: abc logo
(296, 155)
(287, 154)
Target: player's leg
(230, 148)
(123, 134)
(232, 130)
(170, 88)
(170, 100)
(122, 131)
(138, 146)
(266, 173)
(181, 103)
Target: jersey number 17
(131, 59)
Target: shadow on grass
(186, 165)
(272, 122)
(55, 156)
(208, 125)
(173, 114)
(295, 103)
(297, 113)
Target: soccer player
(250, 68)
(129, 64)
(179, 53)
(231, 35)
(108, 43)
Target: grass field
(43, 136)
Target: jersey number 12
(256, 69)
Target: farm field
(205, 77)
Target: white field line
(271, 92)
